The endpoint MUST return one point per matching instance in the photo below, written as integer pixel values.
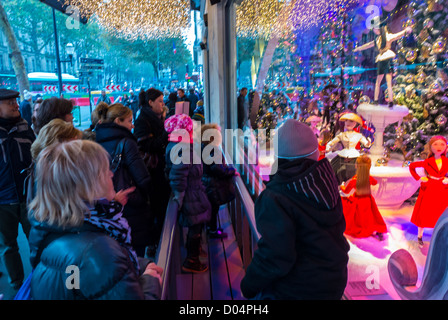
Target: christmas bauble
(420, 77)
(364, 99)
(428, 23)
(425, 50)
(408, 23)
(409, 78)
(406, 164)
(435, 87)
(411, 55)
(439, 45)
(441, 120)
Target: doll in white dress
(344, 164)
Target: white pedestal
(395, 183)
(381, 116)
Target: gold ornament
(421, 77)
(423, 35)
(425, 50)
(411, 55)
(409, 78)
(425, 113)
(439, 45)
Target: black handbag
(122, 179)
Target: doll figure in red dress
(432, 199)
(362, 217)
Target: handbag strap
(116, 157)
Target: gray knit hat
(296, 140)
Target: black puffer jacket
(137, 211)
(302, 253)
(151, 135)
(106, 271)
(16, 138)
(217, 178)
(186, 183)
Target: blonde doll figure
(432, 199)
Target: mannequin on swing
(383, 42)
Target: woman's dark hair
(52, 108)
(383, 37)
(152, 94)
(172, 96)
(142, 98)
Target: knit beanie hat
(178, 122)
(27, 95)
(296, 140)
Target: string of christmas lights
(137, 19)
(264, 18)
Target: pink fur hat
(178, 122)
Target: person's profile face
(9, 108)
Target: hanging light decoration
(264, 18)
(137, 19)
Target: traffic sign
(51, 89)
(113, 87)
(91, 65)
(91, 61)
(69, 88)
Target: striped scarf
(108, 217)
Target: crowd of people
(99, 196)
(97, 199)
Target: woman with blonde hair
(112, 131)
(76, 226)
(57, 130)
(362, 216)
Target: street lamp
(70, 49)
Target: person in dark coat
(184, 172)
(217, 177)
(171, 104)
(133, 103)
(80, 245)
(193, 98)
(25, 107)
(16, 137)
(103, 98)
(152, 140)
(302, 252)
(116, 124)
